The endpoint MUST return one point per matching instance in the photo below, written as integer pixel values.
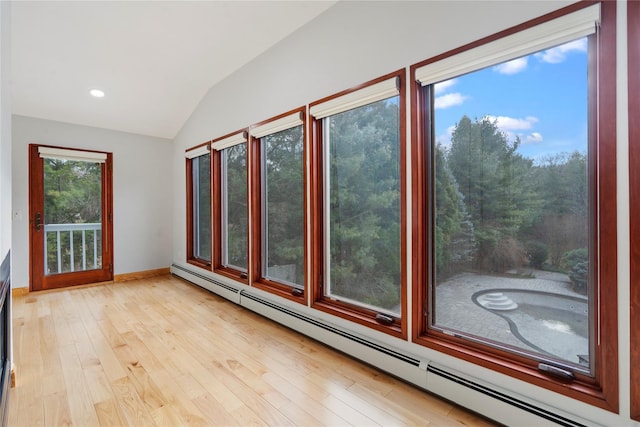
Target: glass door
(70, 217)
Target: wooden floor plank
(109, 362)
(30, 406)
(130, 403)
(314, 408)
(98, 384)
(109, 414)
(56, 410)
(215, 413)
(80, 404)
(183, 406)
(161, 352)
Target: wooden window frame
(284, 290)
(216, 199)
(633, 49)
(341, 309)
(602, 389)
(191, 258)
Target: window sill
(198, 263)
(362, 317)
(281, 290)
(237, 275)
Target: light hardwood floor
(162, 352)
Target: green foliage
(537, 253)
(202, 206)
(576, 262)
(72, 192)
(511, 202)
(235, 194)
(495, 183)
(563, 219)
(448, 215)
(579, 276)
(72, 195)
(285, 202)
(573, 257)
(364, 204)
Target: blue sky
(542, 98)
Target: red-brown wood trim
(257, 280)
(197, 146)
(315, 206)
(607, 353)
(39, 282)
(191, 259)
(307, 198)
(107, 220)
(602, 390)
(188, 167)
(216, 214)
(419, 229)
(36, 239)
(255, 214)
(318, 301)
(404, 315)
(633, 59)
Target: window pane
(202, 207)
(362, 206)
(511, 205)
(284, 206)
(234, 207)
(72, 216)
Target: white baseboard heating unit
(487, 399)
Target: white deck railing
(59, 229)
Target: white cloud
(534, 137)
(512, 67)
(444, 86)
(506, 123)
(445, 139)
(558, 54)
(449, 100)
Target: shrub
(537, 253)
(572, 257)
(499, 253)
(576, 262)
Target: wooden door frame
(39, 282)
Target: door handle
(38, 221)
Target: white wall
(354, 42)
(5, 128)
(141, 202)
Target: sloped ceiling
(154, 60)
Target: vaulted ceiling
(154, 60)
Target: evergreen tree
(72, 195)
(235, 165)
(285, 203)
(496, 184)
(448, 213)
(364, 199)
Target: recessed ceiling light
(97, 93)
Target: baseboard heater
(486, 399)
(332, 329)
(455, 385)
(206, 282)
